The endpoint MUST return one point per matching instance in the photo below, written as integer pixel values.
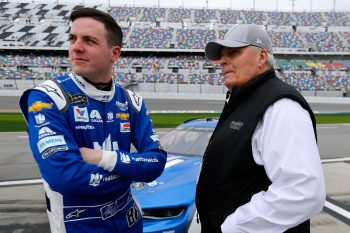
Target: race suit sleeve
(284, 143)
(56, 152)
(148, 162)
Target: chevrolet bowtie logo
(38, 106)
(74, 214)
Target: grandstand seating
(43, 25)
(20, 23)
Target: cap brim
(213, 48)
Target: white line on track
(337, 209)
(21, 182)
(335, 160)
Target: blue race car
(168, 203)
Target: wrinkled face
(89, 53)
(240, 65)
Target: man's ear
(116, 53)
(264, 55)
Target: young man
(80, 129)
(261, 170)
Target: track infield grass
(14, 122)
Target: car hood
(175, 187)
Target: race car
(168, 203)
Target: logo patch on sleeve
(38, 106)
(51, 141)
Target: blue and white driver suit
(67, 113)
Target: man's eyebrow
(90, 37)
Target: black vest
(229, 175)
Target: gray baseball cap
(240, 35)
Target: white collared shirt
(284, 143)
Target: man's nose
(77, 45)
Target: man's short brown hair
(114, 32)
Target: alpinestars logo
(95, 179)
(75, 214)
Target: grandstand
(165, 46)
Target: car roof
(205, 123)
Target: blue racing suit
(67, 113)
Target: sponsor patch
(122, 106)
(51, 141)
(147, 160)
(95, 179)
(236, 125)
(38, 106)
(110, 117)
(40, 118)
(80, 114)
(111, 177)
(53, 150)
(123, 116)
(124, 158)
(45, 131)
(95, 116)
(78, 99)
(84, 127)
(125, 127)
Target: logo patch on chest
(236, 125)
(125, 127)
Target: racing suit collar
(92, 91)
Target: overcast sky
(281, 5)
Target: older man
(261, 170)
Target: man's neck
(100, 86)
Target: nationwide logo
(39, 118)
(95, 116)
(125, 127)
(147, 160)
(95, 179)
(45, 131)
(81, 114)
(123, 116)
(111, 177)
(122, 106)
(124, 158)
(38, 106)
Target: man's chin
(78, 72)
